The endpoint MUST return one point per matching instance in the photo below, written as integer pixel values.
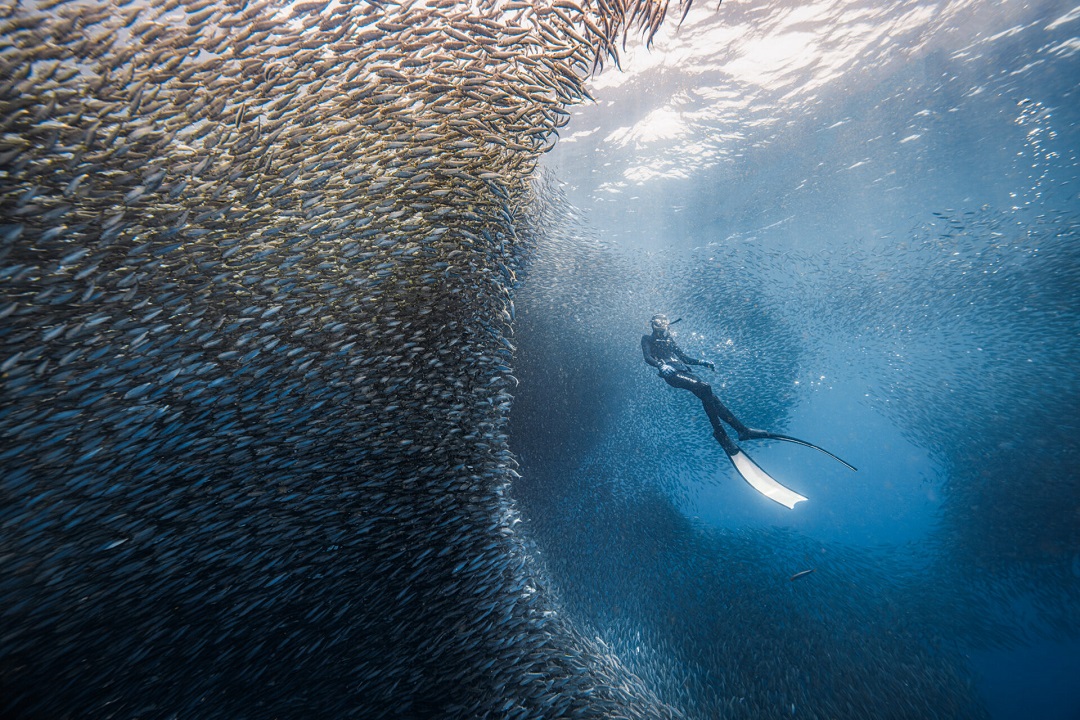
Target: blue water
(868, 218)
(1037, 680)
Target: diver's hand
(708, 364)
(666, 371)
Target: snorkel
(660, 324)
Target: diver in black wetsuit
(661, 351)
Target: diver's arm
(646, 350)
(692, 361)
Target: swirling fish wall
(256, 266)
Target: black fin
(797, 441)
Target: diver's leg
(713, 408)
(747, 468)
(725, 442)
(720, 410)
(717, 412)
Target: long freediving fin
(760, 480)
(762, 435)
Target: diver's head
(660, 324)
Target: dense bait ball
(256, 265)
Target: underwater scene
(539, 359)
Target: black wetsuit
(660, 349)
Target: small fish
(801, 573)
(305, 230)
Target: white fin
(761, 482)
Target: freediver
(663, 353)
